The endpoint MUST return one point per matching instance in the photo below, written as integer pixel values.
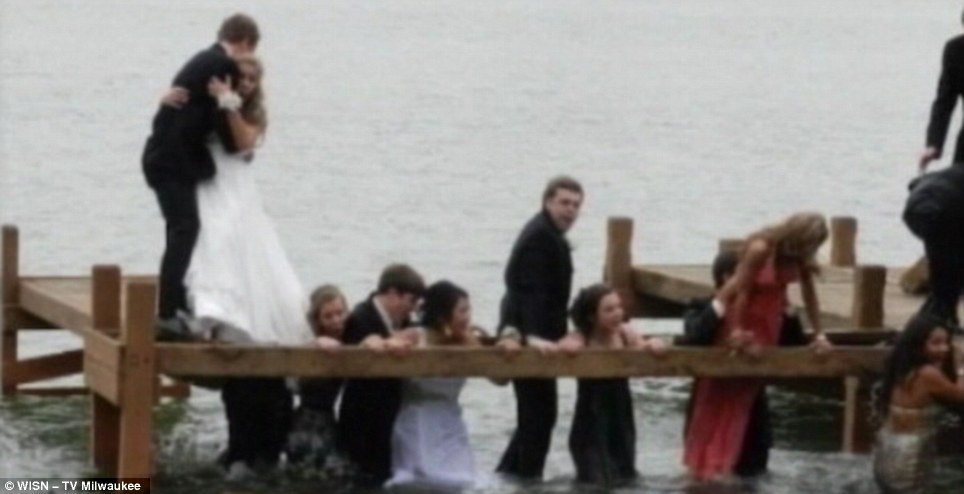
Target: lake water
(424, 131)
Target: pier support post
(11, 303)
(618, 269)
(857, 430)
(867, 311)
(105, 416)
(137, 382)
(843, 241)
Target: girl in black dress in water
(603, 436)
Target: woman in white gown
(241, 286)
(239, 273)
(430, 442)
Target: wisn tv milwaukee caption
(92, 485)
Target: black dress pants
(945, 256)
(536, 410)
(178, 201)
(259, 412)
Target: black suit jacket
(700, 326)
(950, 88)
(538, 279)
(368, 406)
(177, 146)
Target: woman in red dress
(754, 300)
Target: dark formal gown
(603, 436)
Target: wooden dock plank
(62, 301)
(66, 301)
(682, 283)
(222, 360)
(46, 367)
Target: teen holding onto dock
(311, 443)
(703, 326)
(369, 406)
(754, 300)
(602, 440)
(919, 374)
(430, 441)
(538, 280)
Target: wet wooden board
(681, 283)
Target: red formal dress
(721, 407)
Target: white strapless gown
(430, 442)
(239, 272)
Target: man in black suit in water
(538, 279)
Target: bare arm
(810, 301)
(811, 304)
(632, 339)
(175, 97)
(245, 134)
(939, 387)
(736, 292)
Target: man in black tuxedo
(369, 406)
(944, 248)
(176, 158)
(538, 280)
(950, 88)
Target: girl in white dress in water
(430, 442)
(241, 286)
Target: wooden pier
(864, 298)
(122, 364)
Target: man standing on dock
(538, 280)
(944, 247)
(176, 158)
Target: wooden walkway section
(678, 284)
(121, 363)
(860, 296)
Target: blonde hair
(319, 297)
(796, 239)
(252, 108)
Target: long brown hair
(318, 299)
(252, 109)
(796, 239)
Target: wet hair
(585, 308)
(724, 265)
(239, 28)
(561, 182)
(796, 239)
(253, 110)
(320, 297)
(907, 356)
(438, 304)
(401, 278)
